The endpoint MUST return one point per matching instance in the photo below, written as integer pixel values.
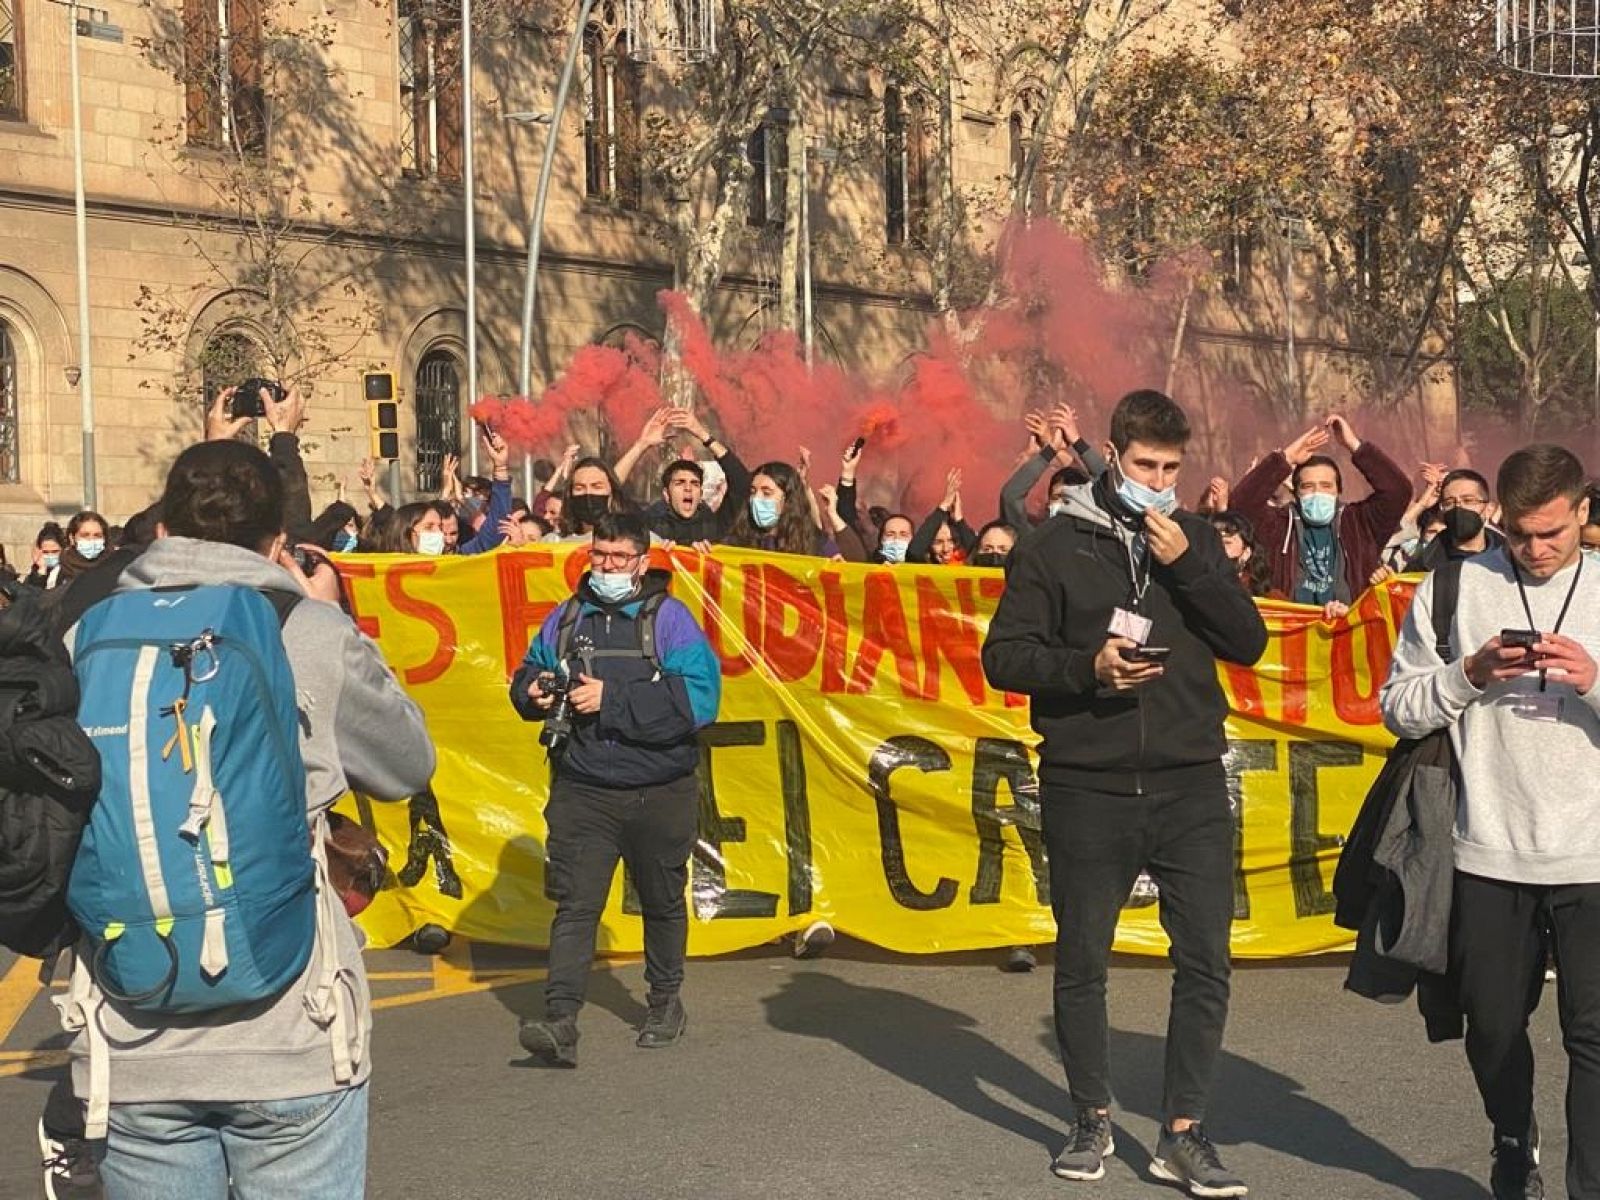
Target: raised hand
(1340, 428)
(220, 427)
(804, 466)
(499, 454)
(952, 489)
(286, 415)
(1307, 444)
(656, 428)
(1038, 429)
(1064, 418)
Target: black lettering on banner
(1306, 840)
(1243, 757)
(994, 760)
(712, 897)
(905, 750)
(429, 839)
(796, 817)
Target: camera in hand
(1519, 639)
(247, 401)
(558, 724)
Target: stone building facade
(168, 281)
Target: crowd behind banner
(861, 769)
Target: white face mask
(430, 541)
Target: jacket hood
(182, 562)
(1084, 504)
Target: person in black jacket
(1114, 615)
(681, 515)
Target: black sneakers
(1516, 1168)
(1020, 960)
(1189, 1160)
(71, 1169)
(554, 1040)
(813, 941)
(664, 1024)
(1085, 1156)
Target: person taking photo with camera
(623, 678)
(1523, 712)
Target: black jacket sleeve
(1206, 590)
(848, 512)
(1025, 651)
(738, 492)
(966, 537)
(922, 541)
(284, 450)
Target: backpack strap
(647, 628)
(571, 610)
(1446, 594)
(645, 623)
(283, 603)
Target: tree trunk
(794, 198)
(1179, 333)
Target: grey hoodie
(359, 730)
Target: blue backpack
(195, 885)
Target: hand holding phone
(1146, 654)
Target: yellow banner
(861, 769)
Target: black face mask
(990, 558)
(1462, 525)
(586, 509)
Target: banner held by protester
(861, 769)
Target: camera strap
(1527, 608)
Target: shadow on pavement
(936, 1048)
(1266, 1108)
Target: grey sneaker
(1084, 1158)
(1189, 1160)
(814, 940)
(71, 1168)
(1020, 960)
(554, 1040)
(1516, 1168)
(664, 1025)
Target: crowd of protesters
(1287, 530)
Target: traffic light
(383, 413)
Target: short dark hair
(1226, 521)
(1071, 476)
(1535, 475)
(622, 527)
(141, 527)
(226, 492)
(1148, 416)
(543, 470)
(1318, 460)
(683, 464)
(1467, 473)
(445, 510)
(477, 484)
(1432, 515)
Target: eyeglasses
(1462, 502)
(614, 558)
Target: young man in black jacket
(1114, 615)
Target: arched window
(1023, 131)
(10, 405)
(229, 358)
(438, 392)
(611, 102)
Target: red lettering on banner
(883, 627)
(1354, 706)
(716, 621)
(953, 634)
(574, 567)
(521, 616)
(1292, 672)
(359, 570)
(835, 634)
(394, 586)
(992, 589)
(773, 594)
(1244, 690)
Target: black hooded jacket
(1063, 583)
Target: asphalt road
(863, 1075)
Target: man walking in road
(1113, 618)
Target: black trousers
(1098, 843)
(653, 831)
(1499, 935)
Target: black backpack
(645, 623)
(49, 777)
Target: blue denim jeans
(269, 1149)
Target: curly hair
(795, 532)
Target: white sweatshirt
(1529, 810)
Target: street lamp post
(471, 221)
(100, 29)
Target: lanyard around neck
(1561, 619)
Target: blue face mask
(430, 541)
(1319, 508)
(894, 550)
(344, 541)
(612, 587)
(764, 511)
(1139, 498)
(92, 548)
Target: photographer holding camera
(623, 678)
(1523, 712)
